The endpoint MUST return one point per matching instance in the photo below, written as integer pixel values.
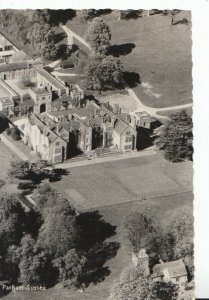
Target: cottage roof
(71, 125)
(40, 91)
(57, 84)
(6, 101)
(14, 42)
(106, 109)
(14, 66)
(175, 269)
(26, 102)
(61, 112)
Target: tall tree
(11, 222)
(35, 264)
(98, 35)
(104, 73)
(138, 226)
(70, 268)
(49, 200)
(176, 138)
(58, 234)
(133, 283)
(42, 38)
(41, 16)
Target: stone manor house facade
(59, 135)
(58, 122)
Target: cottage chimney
(57, 128)
(116, 109)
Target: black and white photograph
(96, 154)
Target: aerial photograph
(96, 147)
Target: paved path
(53, 64)
(76, 36)
(140, 107)
(153, 111)
(105, 159)
(57, 73)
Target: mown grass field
(158, 51)
(127, 180)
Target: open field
(125, 102)
(158, 51)
(126, 180)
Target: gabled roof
(53, 81)
(106, 109)
(11, 40)
(175, 269)
(121, 126)
(14, 66)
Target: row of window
(128, 147)
(6, 48)
(128, 139)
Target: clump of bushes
(2, 183)
(14, 133)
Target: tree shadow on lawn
(102, 12)
(132, 14)
(132, 79)
(59, 37)
(94, 231)
(143, 138)
(57, 174)
(123, 49)
(61, 16)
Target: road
(76, 36)
(153, 111)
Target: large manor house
(58, 121)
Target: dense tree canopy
(103, 73)
(98, 35)
(11, 222)
(164, 290)
(70, 268)
(176, 138)
(138, 226)
(42, 38)
(86, 14)
(132, 284)
(176, 240)
(58, 234)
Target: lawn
(156, 50)
(125, 102)
(7, 156)
(167, 113)
(126, 181)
